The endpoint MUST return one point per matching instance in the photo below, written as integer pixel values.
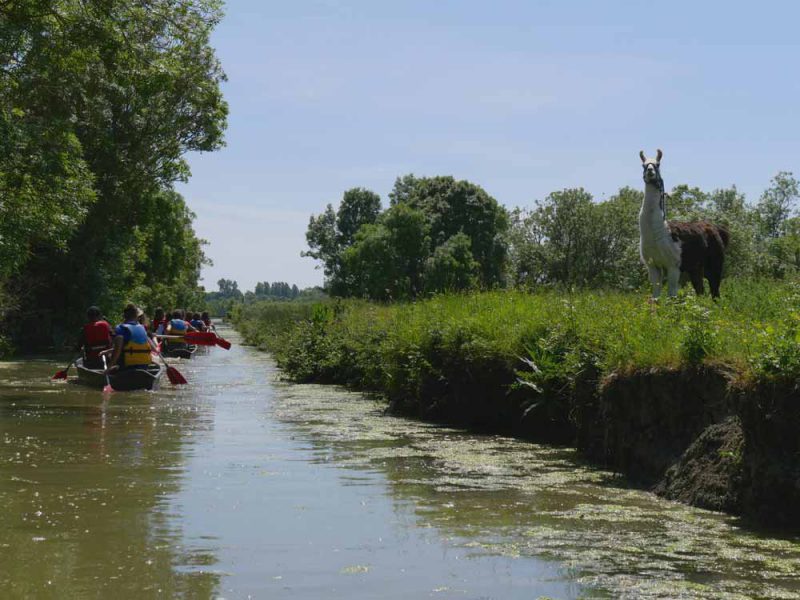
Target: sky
(521, 97)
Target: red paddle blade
(60, 375)
(107, 389)
(207, 338)
(175, 377)
(201, 338)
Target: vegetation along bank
(99, 104)
(694, 399)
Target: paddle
(107, 389)
(210, 336)
(174, 376)
(200, 338)
(63, 373)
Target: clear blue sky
(521, 97)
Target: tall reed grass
(403, 349)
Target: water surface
(240, 485)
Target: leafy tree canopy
(99, 102)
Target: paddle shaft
(108, 387)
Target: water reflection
(84, 491)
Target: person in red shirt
(159, 321)
(94, 338)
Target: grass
(528, 339)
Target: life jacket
(156, 323)
(136, 349)
(197, 324)
(96, 337)
(177, 327)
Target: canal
(241, 485)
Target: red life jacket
(155, 323)
(96, 337)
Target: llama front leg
(655, 280)
(673, 277)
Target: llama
(696, 248)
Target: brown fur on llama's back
(702, 251)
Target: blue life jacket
(136, 348)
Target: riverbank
(695, 400)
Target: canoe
(122, 381)
(180, 352)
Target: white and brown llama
(669, 248)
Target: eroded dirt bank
(692, 435)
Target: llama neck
(651, 213)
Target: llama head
(652, 168)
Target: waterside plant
(536, 337)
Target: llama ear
(641, 155)
(659, 154)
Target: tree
(685, 203)
(332, 232)
(323, 242)
(614, 241)
(452, 266)
(526, 249)
(453, 207)
(359, 207)
(403, 190)
(745, 254)
(229, 289)
(569, 239)
(387, 259)
(777, 203)
(103, 99)
(565, 221)
(46, 187)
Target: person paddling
(197, 322)
(159, 322)
(178, 326)
(132, 345)
(94, 338)
(206, 318)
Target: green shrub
(699, 333)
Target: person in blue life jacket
(197, 322)
(132, 346)
(178, 326)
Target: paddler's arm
(116, 351)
